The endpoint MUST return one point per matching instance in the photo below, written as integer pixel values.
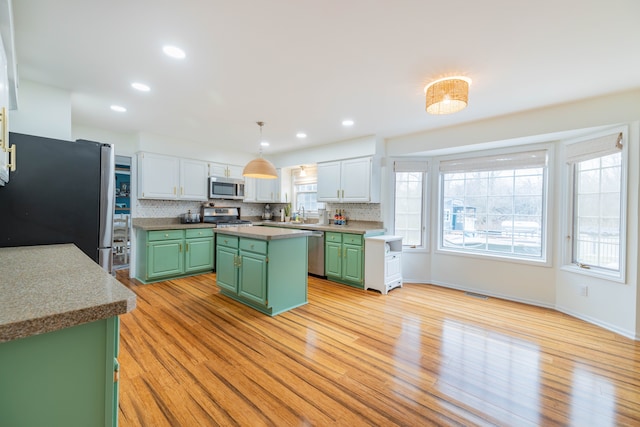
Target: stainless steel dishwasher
(316, 253)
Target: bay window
(494, 205)
(409, 206)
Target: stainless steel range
(224, 217)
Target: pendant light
(260, 168)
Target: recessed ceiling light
(140, 86)
(174, 52)
(264, 143)
(118, 108)
(301, 135)
(347, 122)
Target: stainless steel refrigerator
(60, 192)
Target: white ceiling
(300, 65)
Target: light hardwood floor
(422, 355)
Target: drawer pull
(166, 235)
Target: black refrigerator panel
(54, 194)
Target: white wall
(43, 111)
(609, 304)
(359, 147)
(123, 144)
(187, 149)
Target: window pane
(408, 207)
(597, 212)
(497, 212)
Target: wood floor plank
(421, 355)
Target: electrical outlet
(584, 290)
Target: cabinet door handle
(179, 247)
(181, 190)
(343, 194)
(12, 153)
(186, 247)
(339, 253)
(174, 190)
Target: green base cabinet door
(227, 262)
(333, 259)
(64, 378)
(165, 259)
(253, 277)
(198, 255)
(352, 263)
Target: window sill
(496, 257)
(594, 272)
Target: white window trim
(426, 202)
(547, 206)
(567, 227)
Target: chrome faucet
(303, 213)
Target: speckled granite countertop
(355, 227)
(51, 287)
(263, 233)
(150, 224)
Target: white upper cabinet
(171, 178)
(263, 190)
(193, 180)
(228, 171)
(353, 180)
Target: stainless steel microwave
(226, 188)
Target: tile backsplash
(173, 208)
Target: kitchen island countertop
(51, 287)
(263, 233)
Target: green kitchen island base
(262, 267)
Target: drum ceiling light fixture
(260, 168)
(447, 95)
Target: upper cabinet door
(356, 180)
(193, 180)
(158, 176)
(228, 171)
(329, 182)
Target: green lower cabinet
(269, 276)
(352, 266)
(198, 255)
(252, 283)
(226, 267)
(165, 259)
(167, 254)
(344, 258)
(64, 378)
(333, 259)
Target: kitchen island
(264, 268)
(58, 338)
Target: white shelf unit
(383, 263)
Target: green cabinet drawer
(352, 239)
(333, 237)
(159, 235)
(228, 241)
(252, 245)
(198, 232)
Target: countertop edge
(241, 232)
(55, 322)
